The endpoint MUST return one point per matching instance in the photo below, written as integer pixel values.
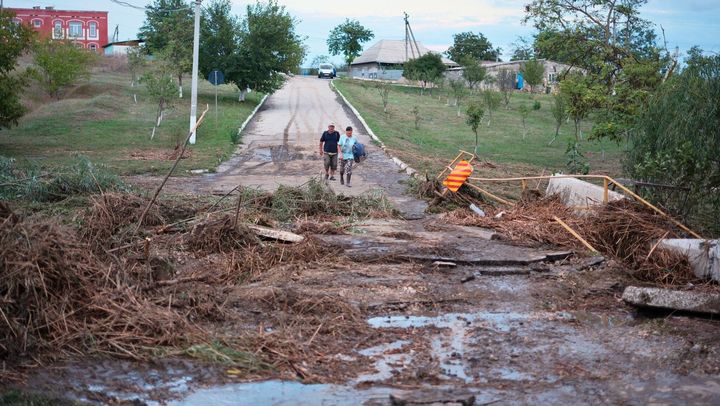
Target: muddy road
(280, 146)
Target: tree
(384, 89)
(523, 50)
(524, 113)
(136, 63)
(418, 117)
(346, 39)
(428, 68)
(459, 92)
(219, 31)
(318, 59)
(506, 83)
(581, 96)
(160, 87)
(678, 140)
(15, 40)
(60, 64)
(268, 48)
(473, 72)
(559, 113)
(474, 118)
(168, 31)
(471, 45)
(492, 100)
(533, 73)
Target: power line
(126, 4)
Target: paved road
(280, 146)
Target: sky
(686, 22)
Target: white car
(326, 70)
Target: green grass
(442, 133)
(99, 119)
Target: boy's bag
(359, 153)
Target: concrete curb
(405, 167)
(250, 117)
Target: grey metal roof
(392, 51)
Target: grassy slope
(99, 119)
(442, 133)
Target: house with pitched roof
(386, 58)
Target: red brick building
(86, 28)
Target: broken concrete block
(477, 210)
(673, 299)
(578, 193)
(444, 264)
(704, 255)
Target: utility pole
(194, 87)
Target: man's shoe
(326, 176)
(332, 178)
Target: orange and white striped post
(458, 176)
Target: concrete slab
(578, 193)
(704, 255)
(673, 299)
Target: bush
(536, 105)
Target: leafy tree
(268, 47)
(60, 64)
(219, 31)
(523, 50)
(533, 73)
(168, 30)
(471, 45)
(136, 63)
(15, 40)
(160, 87)
(678, 140)
(474, 118)
(506, 83)
(428, 68)
(581, 96)
(384, 89)
(473, 72)
(459, 91)
(492, 100)
(317, 60)
(346, 39)
(418, 117)
(524, 113)
(559, 113)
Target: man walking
(329, 151)
(347, 158)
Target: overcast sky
(686, 23)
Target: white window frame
(93, 46)
(92, 24)
(72, 24)
(58, 33)
(38, 21)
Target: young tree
(533, 73)
(168, 30)
(384, 90)
(219, 31)
(418, 117)
(474, 118)
(473, 72)
(268, 47)
(474, 46)
(15, 40)
(506, 83)
(347, 38)
(160, 88)
(136, 63)
(524, 112)
(559, 113)
(428, 68)
(492, 100)
(459, 92)
(60, 64)
(581, 96)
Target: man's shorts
(330, 161)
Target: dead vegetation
(103, 288)
(623, 230)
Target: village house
(88, 29)
(551, 76)
(385, 60)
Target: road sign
(216, 77)
(458, 176)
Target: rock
(444, 264)
(699, 302)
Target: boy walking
(347, 157)
(329, 151)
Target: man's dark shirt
(331, 141)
